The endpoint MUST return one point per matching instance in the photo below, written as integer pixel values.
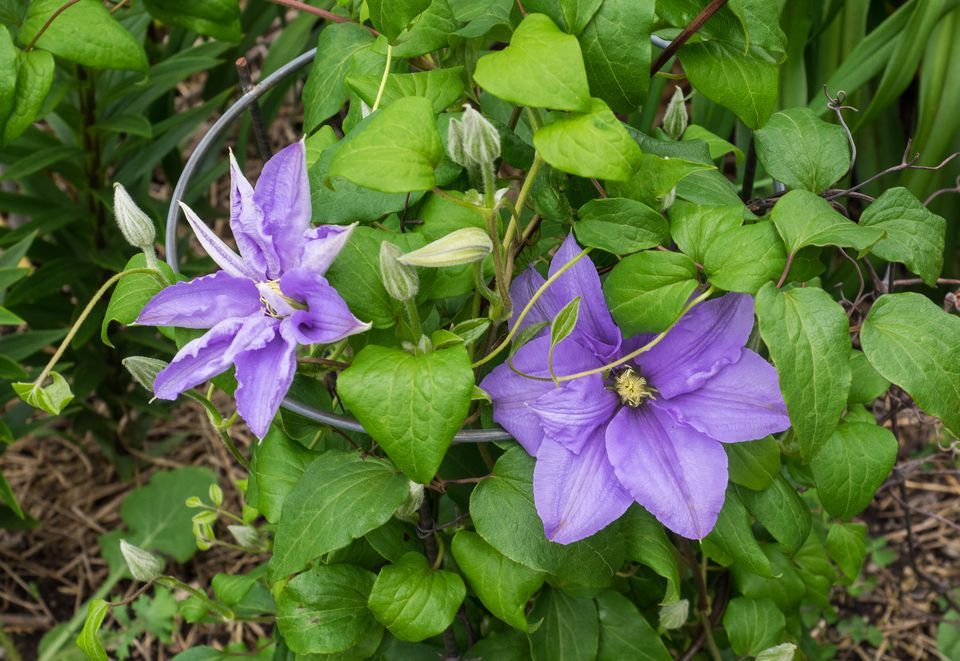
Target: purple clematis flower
(650, 430)
(264, 302)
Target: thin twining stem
(529, 306)
(905, 163)
(64, 7)
(383, 80)
(836, 105)
(687, 32)
(630, 356)
(937, 193)
(522, 199)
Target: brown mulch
(73, 489)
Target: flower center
(632, 388)
(276, 303)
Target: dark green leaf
(324, 91)
(753, 464)
(695, 227)
(866, 383)
(570, 628)
(647, 543)
(22, 94)
(805, 219)
(625, 633)
(619, 225)
(753, 625)
(647, 291)
(780, 510)
(131, 294)
(440, 86)
(803, 151)
(733, 534)
(277, 465)
(745, 258)
(391, 16)
(846, 543)
(216, 18)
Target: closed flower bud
(411, 507)
(674, 615)
(134, 224)
(144, 566)
(464, 246)
(472, 141)
(675, 117)
(400, 281)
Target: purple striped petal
(283, 194)
(202, 302)
(246, 223)
(219, 251)
(522, 290)
(576, 495)
(513, 394)
(327, 317)
(212, 353)
(678, 474)
(741, 403)
(707, 339)
(322, 245)
(595, 323)
(263, 377)
(570, 412)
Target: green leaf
(914, 235)
(589, 144)
(394, 151)
(541, 68)
(563, 324)
(276, 467)
(504, 586)
(852, 465)
(391, 16)
(89, 639)
(504, 514)
(753, 464)
(131, 294)
(508, 645)
(753, 625)
(356, 274)
(324, 91)
(619, 225)
(616, 52)
(761, 23)
(22, 94)
(570, 628)
(85, 33)
(414, 601)
(694, 227)
(654, 178)
(948, 635)
(8, 498)
(803, 151)
(430, 32)
(846, 544)
(647, 543)
(52, 398)
(808, 336)
(779, 509)
(324, 610)
(717, 146)
(647, 291)
(806, 219)
(411, 405)
(733, 534)
(570, 15)
(866, 384)
(786, 588)
(745, 82)
(916, 345)
(745, 258)
(441, 86)
(339, 497)
(219, 19)
(625, 633)
(8, 318)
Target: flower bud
(411, 507)
(781, 652)
(400, 281)
(675, 117)
(144, 370)
(674, 615)
(463, 246)
(143, 565)
(134, 224)
(472, 141)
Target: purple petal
(576, 495)
(322, 245)
(283, 194)
(202, 302)
(212, 353)
(678, 474)
(741, 403)
(327, 317)
(219, 251)
(707, 339)
(595, 323)
(570, 412)
(513, 394)
(522, 290)
(246, 223)
(263, 377)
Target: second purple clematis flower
(650, 430)
(264, 302)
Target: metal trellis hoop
(173, 219)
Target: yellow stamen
(632, 388)
(274, 286)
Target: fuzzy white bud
(143, 565)
(463, 246)
(400, 281)
(472, 141)
(675, 118)
(134, 224)
(674, 615)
